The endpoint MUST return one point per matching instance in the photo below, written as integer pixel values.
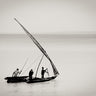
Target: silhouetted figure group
(16, 73)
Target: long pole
(24, 64)
(39, 65)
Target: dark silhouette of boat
(16, 79)
(24, 79)
(36, 79)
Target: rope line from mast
(31, 64)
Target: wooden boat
(36, 79)
(16, 79)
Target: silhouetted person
(30, 74)
(16, 73)
(43, 72)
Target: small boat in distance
(36, 79)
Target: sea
(74, 56)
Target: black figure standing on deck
(43, 72)
(30, 74)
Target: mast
(55, 71)
(39, 65)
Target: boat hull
(26, 79)
(16, 79)
(36, 80)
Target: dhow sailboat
(35, 79)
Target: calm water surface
(74, 57)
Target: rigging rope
(24, 64)
(30, 64)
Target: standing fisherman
(43, 72)
(31, 74)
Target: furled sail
(55, 71)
